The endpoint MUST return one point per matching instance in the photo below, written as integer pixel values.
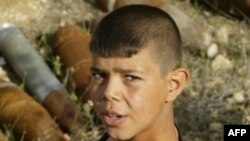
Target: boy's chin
(117, 134)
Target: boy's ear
(176, 81)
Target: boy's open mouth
(114, 116)
(113, 119)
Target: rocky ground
(41, 16)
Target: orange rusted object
(2, 137)
(71, 43)
(71, 120)
(25, 116)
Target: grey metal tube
(24, 59)
(39, 79)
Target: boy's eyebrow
(121, 70)
(95, 69)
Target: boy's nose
(112, 91)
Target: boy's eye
(132, 77)
(97, 75)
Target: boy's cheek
(93, 94)
(93, 97)
(96, 96)
(93, 87)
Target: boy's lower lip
(109, 121)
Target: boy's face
(129, 94)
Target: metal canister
(26, 117)
(193, 34)
(71, 43)
(3, 137)
(38, 78)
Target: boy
(136, 74)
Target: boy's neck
(166, 129)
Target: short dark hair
(127, 30)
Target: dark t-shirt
(106, 136)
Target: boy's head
(128, 30)
(136, 51)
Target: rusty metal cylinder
(192, 33)
(3, 137)
(27, 118)
(71, 43)
(38, 78)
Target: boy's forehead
(147, 51)
(113, 61)
(139, 62)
